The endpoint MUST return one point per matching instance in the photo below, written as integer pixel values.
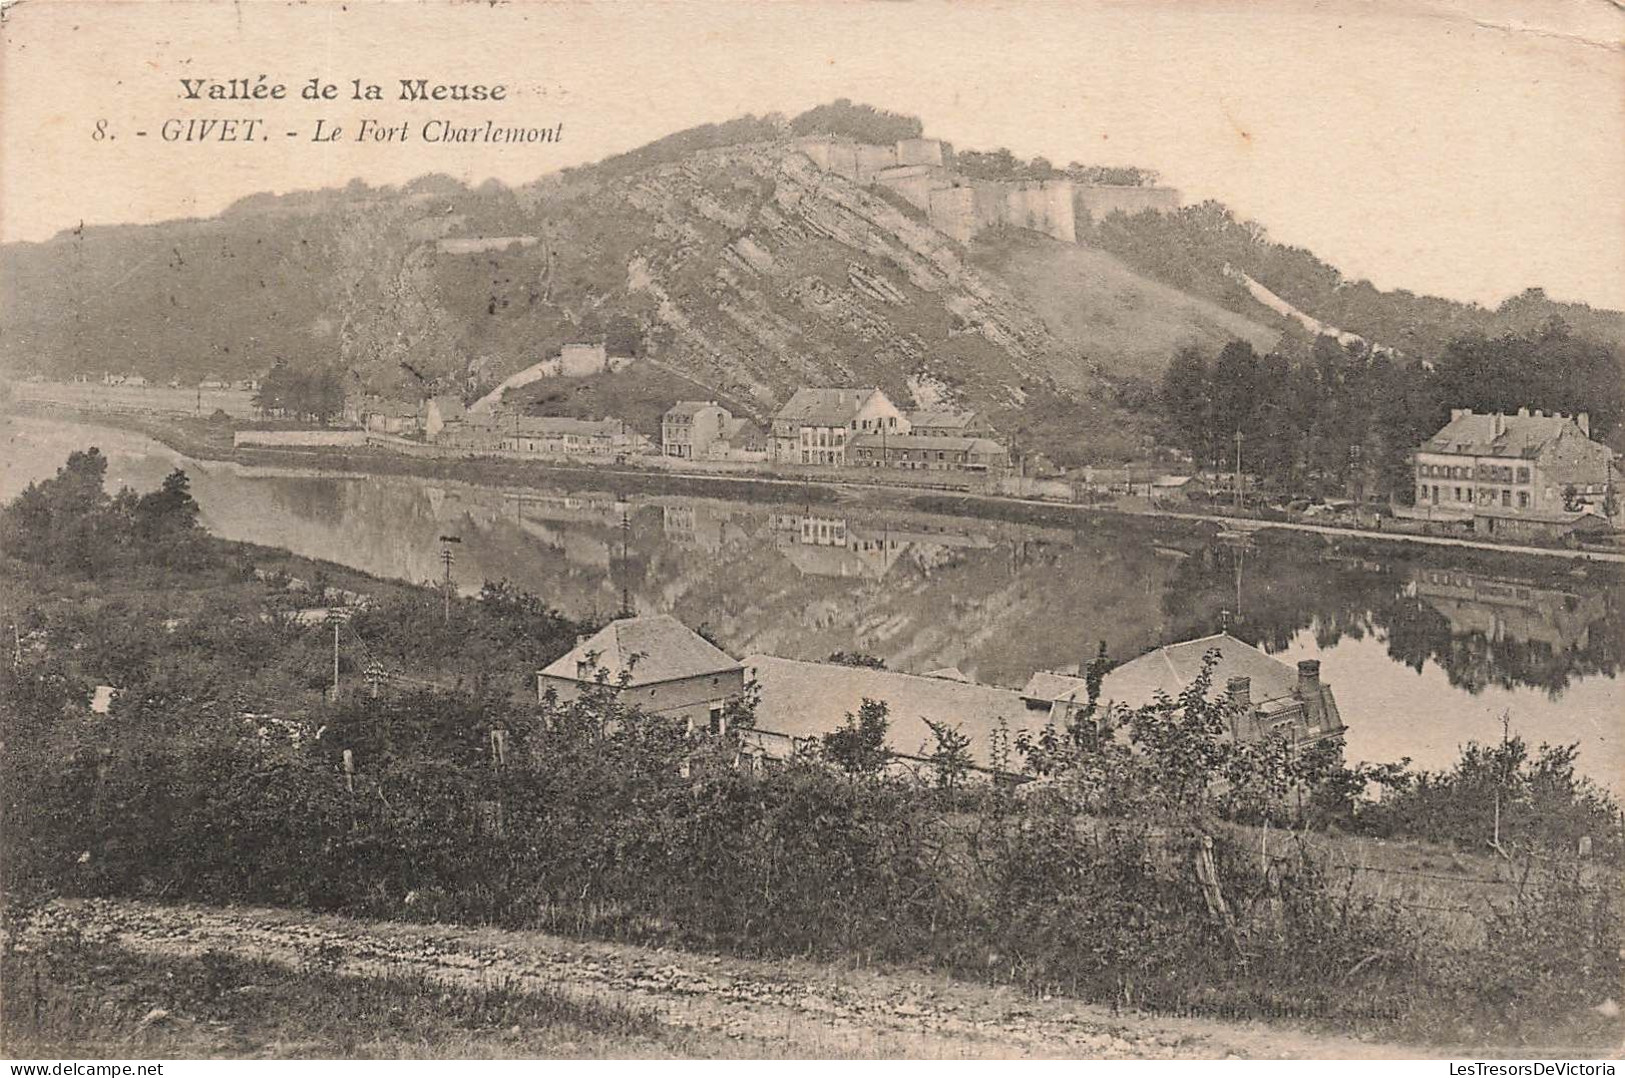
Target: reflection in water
(1418, 647)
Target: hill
(1097, 304)
(722, 255)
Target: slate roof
(1521, 435)
(1171, 669)
(665, 650)
(824, 407)
(808, 699)
(542, 426)
(951, 420)
(927, 441)
(691, 408)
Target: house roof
(655, 648)
(807, 699)
(394, 409)
(1476, 433)
(542, 426)
(951, 420)
(928, 441)
(692, 408)
(1170, 670)
(740, 427)
(824, 407)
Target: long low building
(802, 701)
(927, 451)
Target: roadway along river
(1424, 647)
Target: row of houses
(444, 420)
(836, 427)
(663, 667)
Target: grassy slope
(115, 1002)
(640, 394)
(1129, 323)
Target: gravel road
(786, 1008)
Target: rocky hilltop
(745, 268)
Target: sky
(1465, 149)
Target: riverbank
(211, 441)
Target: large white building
(815, 426)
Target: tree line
(1317, 417)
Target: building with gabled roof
(654, 662)
(690, 428)
(1264, 694)
(1526, 474)
(815, 425)
(944, 423)
(799, 702)
(932, 452)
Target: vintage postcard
(880, 531)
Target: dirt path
(781, 1009)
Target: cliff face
(747, 268)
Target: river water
(1425, 647)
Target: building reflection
(1510, 610)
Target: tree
(857, 658)
(1185, 400)
(950, 759)
(859, 746)
(168, 512)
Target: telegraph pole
(446, 558)
(335, 620)
(626, 587)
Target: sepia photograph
(808, 530)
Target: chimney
(1240, 691)
(1539, 414)
(1457, 413)
(1583, 421)
(1523, 413)
(1309, 678)
(1500, 423)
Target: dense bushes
(1112, 877)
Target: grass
(1109, 312)
(67, 1000)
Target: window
(1458, 494)
(1506, 499)
(1421, 494)
(716, 719)
(1523, 499)
(1523, 475)
(1435, 493)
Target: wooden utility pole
(334, 620)
(446, 559)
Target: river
(1425, 647)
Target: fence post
(1207, 874)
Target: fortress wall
(816, 149)
(1099, 200)
(953, 212)
(872, 160)
(915, 183)
(920, 151)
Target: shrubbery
(1112, 877)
